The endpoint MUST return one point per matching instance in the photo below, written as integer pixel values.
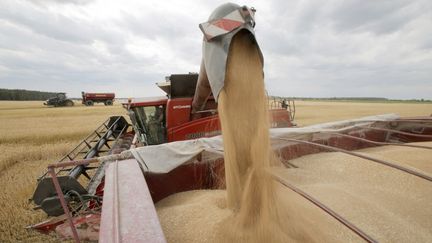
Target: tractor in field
(59, 100)
(89, 99)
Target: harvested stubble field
(312, 112)
(31, 136)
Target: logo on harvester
(203, 134)
(181, 106)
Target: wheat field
(32, 136)
(313, 112)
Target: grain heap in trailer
(333, 182)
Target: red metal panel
(95, 96)
(87, 227)
(128, 213)
(204, 127)
(178, 111)
(180, 127)
(191, 176)
(280, 118)
(146, 102)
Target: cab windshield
(150, 123)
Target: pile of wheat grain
(389, 205)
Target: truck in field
(89, 99)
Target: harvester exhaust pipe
(223, 24)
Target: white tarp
(165, 157)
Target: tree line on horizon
(22, 94)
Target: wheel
(69, 103)
(109, 102)
(89, 103)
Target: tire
(109, 102)
(89, 103)
(69, 103)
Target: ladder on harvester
(96, 143)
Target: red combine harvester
(171, 118)
(89, 99)
(155, 121)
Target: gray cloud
(55, 26)
(379, 17)
(50, 2)
(311, 47)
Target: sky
(311, 48)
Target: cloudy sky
(312, 48)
